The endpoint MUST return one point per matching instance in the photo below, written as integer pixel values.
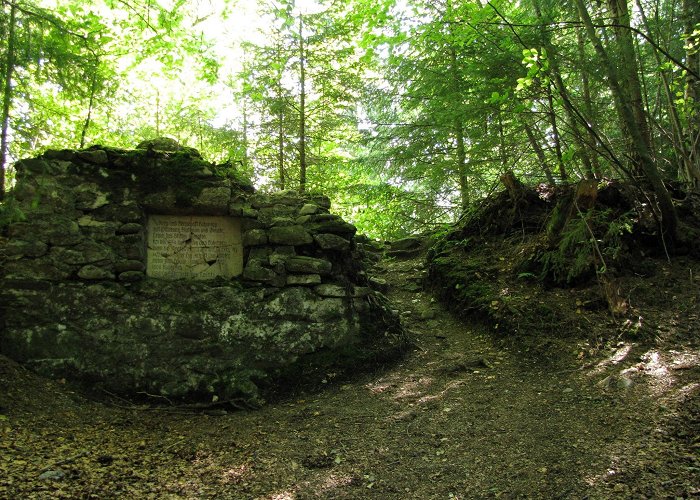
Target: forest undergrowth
(524, 382)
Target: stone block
(308, 209)
(287, 197)
(160, 202)
(332, 290)
(129, 265)
(241, 209)
(276, 259)
(330, 310)
(95, 156)
(133, 252)
(329, 241)
(59, 154)
(131, 239)
(285, 250)
(89, 221)
(65, 232)
(33, 165)
(254, 237)
(125, 213)
(131, 276)
(308, 265)
(25, 192)
(18, 249)
(65, 255)
(261, 254)
(303, 279)
(282, 221)
(213, 200)
(36, 269)
(329, 223)
(248, 224)
(204, 172)
(92, 272)
(91, 251)
(260, 200)
(101, 234)
(322, 201)
(277, 210)
(289, 235)
(254, 271)
(130, 228)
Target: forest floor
(464, 415)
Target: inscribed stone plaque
(193, 247)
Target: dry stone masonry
(153, 270)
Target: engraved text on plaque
(193, 247)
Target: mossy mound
(528, 262)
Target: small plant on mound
(590, 244)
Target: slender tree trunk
(540, 154)
(462, 165)
(588, 107)
(502, 149)
(677, 130)
(555, 135)
(91, 102)
(246, 160)
(280, 116)
(280, 146)
(691, 17)
(456, 82)
(645, 160)
(157, 113)
(564, 93)
(302, 108)
(628, 72)
(456, 87)
(7, 96)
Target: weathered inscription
(193, 247)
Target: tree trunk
(280, 132)
(669, 217)
(515, 188)
(540, 154)
(588, 107)
(246, 160)
(677, 129)
(568, 107)
(280, 148)
(302, 108)
(7, 96)
(628, 72)
(91, 102)
(555, 135)
(157, 113)
(691, 17)
(459, 133)
(462, 165)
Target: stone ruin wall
(156, 271)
